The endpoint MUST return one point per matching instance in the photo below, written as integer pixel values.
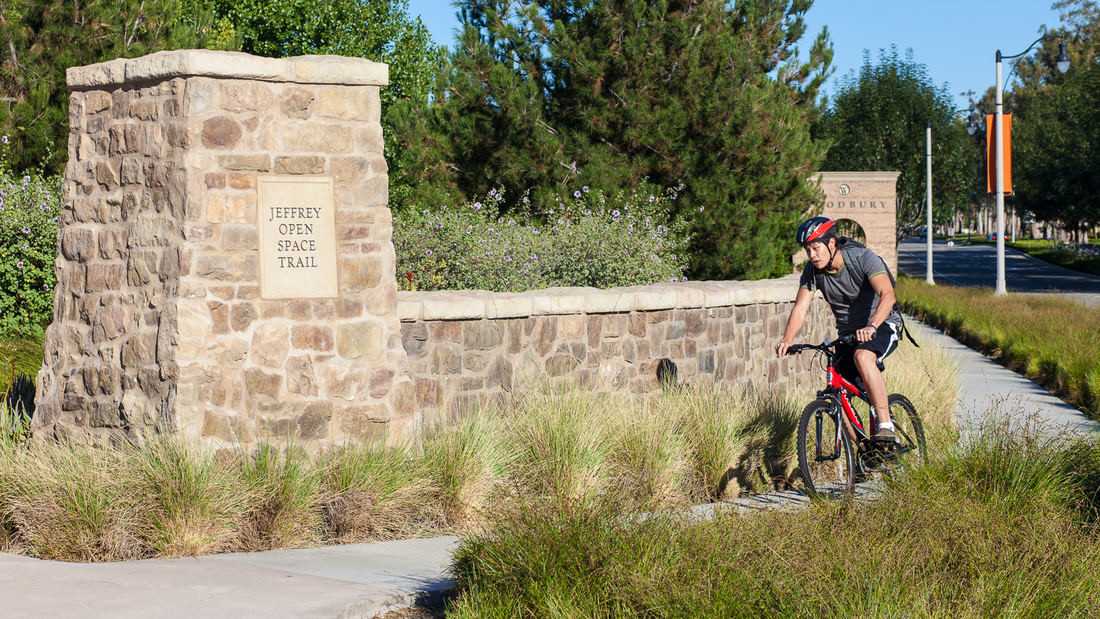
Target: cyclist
(859, 288)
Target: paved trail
(364, 580)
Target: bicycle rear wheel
(826, 460)
(909, 429)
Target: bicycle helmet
(815, 229)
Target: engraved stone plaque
(297, 236)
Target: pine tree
(556, 94)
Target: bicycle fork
(819, 432)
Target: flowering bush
(29, 207)
(593, 239)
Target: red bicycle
(834, 447)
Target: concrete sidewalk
(368, 580)
(357, 580)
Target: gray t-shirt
(849, 290)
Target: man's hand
(781, 348)
(865, 334)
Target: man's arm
(795, 320)
(880, 282)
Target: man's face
(818, 253)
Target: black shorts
(884, 342)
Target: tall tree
(878, 121)
(39, 39)
(553, 95)
(1057, 124)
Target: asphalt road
(975, 265)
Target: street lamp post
(928, 220)
(928, 236)
(1062, 65)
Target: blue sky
(956, 39)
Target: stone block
(245, 96)
(361, 273)
(220, 132)
(242, 315)
(306, 164)
(313, 137)
(482, 335)
(78, 243)
(312, 337)
(270, 345)
(297, 103)
(359, 340)
(246, 163)
(261, 383)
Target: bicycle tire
(809, 467)
(913, 432)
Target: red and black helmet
(816, 229)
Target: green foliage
(45, 38)
(591, 239)
(933, 545)
(379, 30)
(550, 96)
(1050, 339)
(1057, 146)
(29, 208)
(19, 358)
(878, 121)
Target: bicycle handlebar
(825, 346)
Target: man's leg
(867, 364)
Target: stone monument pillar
(226, 265)
(869, 199)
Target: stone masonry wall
(160, 324)
(470, 348)
(110, 351)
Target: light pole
(1062, 64)
(928, 236)
(928, 220)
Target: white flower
(585, 189)
(4, 139)
(576, 194)
(477, 206)
(19, 264)
(615, 214)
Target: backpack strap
(905, 331)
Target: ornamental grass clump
(715, 423)
(191, 502)
(285, 510)
(71, 503)
(594, 239)
(372, 492)
(647, 458)
(560, 445)
(467, 464)
(1052, 340)
(992, 528)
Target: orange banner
(990, 153)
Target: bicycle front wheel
(826, 460)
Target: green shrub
(592, 240)
(1050, 339)
(29, 209)
(988, 530)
